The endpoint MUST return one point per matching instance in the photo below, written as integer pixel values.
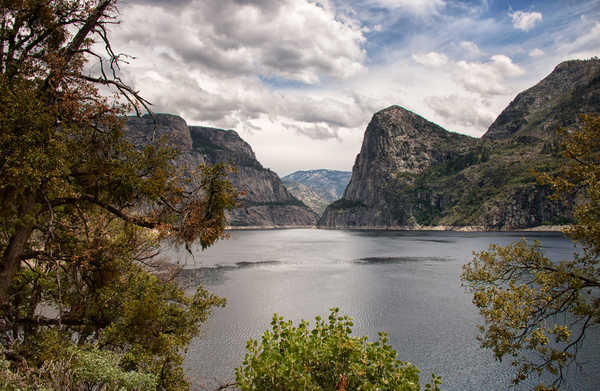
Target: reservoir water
(404, 283)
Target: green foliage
(346, 204)
(456, 191)
(84, 211)
(78, 370)
(326, 358)
(481, 154)
(535, 310)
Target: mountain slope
(317, 188)
(265, 200)
(410, 173)
(573, 88)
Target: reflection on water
(391, 260)
(213, 275)
(405, 283)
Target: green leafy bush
(79, 370)
(326, 357)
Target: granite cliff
(265, 202)
(412, 173)
(573, 88)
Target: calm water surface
(404, 283)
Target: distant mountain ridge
(265, 201)
(317, 188)
(412, 173)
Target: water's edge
(450, 228)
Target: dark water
(404, 283)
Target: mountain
(317, 188)
(265, 200)
(573, 88)
(412, 173)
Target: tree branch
(109, 208)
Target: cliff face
(573, 88)
(413, 173)
(265, 200)
(397, 144)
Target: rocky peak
(396, 141)
(222, 145)
(141, 130)
(573, 88)
(410, 140)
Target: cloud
(432, 59)
(462, 112)
(418, 7)
(228, 63)
(488, 78)
(525, 20)
(585, 45)
(536, 52)
(295, 40)
(158, 3)
(471, 49)
(313, 131)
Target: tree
(83, 210)
(326, 358)
(538, 311)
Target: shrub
(324, 358)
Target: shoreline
(467, 228)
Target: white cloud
(220, 62)
(289, 39)
(525, 20)
(585, 45)
(419, 7)
(432, 59)
(488, 78)
(462, 112)
(536, 52)
(471, 49)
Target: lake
(404, 283)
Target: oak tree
(538, 311)
(84, 211)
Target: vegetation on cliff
(479, 188)
(537, 311)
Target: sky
(299, 80)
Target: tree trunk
(11, 259)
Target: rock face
(317, 188)
(265, 200)
(397, 143)
(412, 173)
(573, 88)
